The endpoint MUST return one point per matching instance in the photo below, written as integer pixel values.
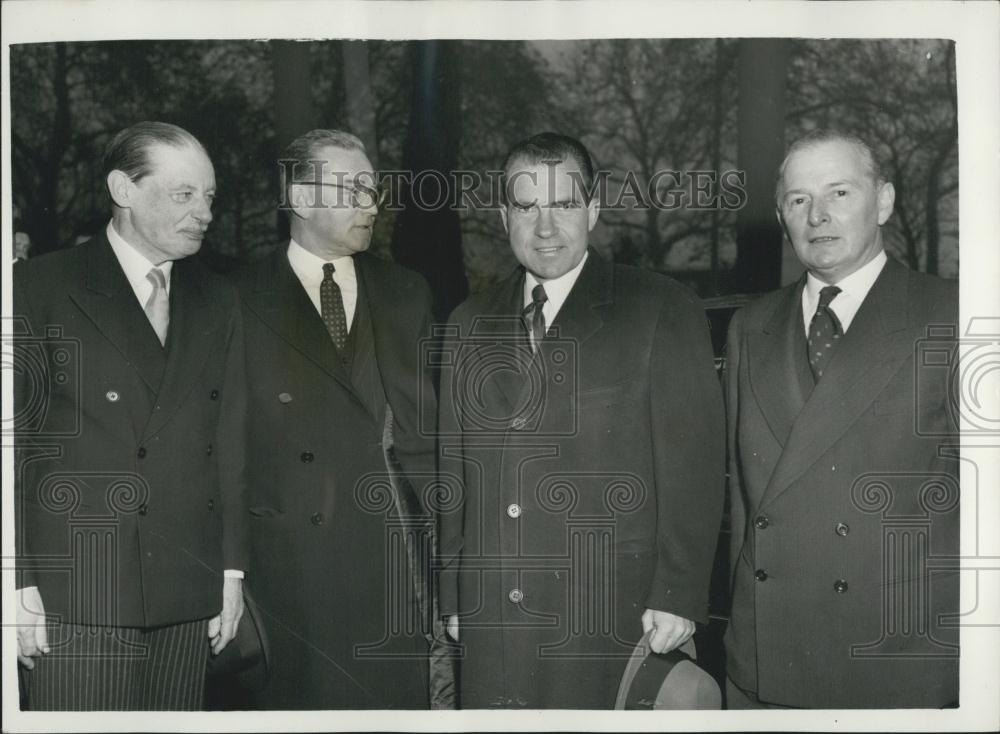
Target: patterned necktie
(157, 306)
(533, 311)
(824, 332)
(332, 308)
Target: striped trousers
(120, 669)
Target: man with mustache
(583, 419)
(338, 458)
(129, 397)
(840, 489)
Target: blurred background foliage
(642, 106)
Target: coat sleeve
(26, 511)
(231, 439)
(688, 443)
(731, 382)
(451, 513)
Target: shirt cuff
(232, 573)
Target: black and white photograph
(476, 366)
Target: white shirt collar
(135, 265)
(308, 267)
(853, 290)
(556, 290)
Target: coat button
(208, 450)
(211, 504)
(515, 596)
(143, 509)
(842, 529)
(317, 519)
(141, 453)
(214, 395)
(761, 522)
(760, 574)
(112, 396)
(307, 456)
(840, 586)
(518, 423)
(514, 510)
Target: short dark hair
(308, 146)
(827, 135)
(128, 150)
(550, 147)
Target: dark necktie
(535, 317)
(824, 332)
(332, 308)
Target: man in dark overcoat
(338, 454)
(129, 406)
(583, 419)
(843, 490)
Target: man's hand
(222, 627)
(452, 626)
(669, 630)
(32, 637)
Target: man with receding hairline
(129, 492)
(333, 337)
(828, 414)
(583, 418)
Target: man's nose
(203, 211)
(817, 212)
(543, 224)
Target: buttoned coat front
(844, 497)
(592, 482)
(331, 576)
(130, 487)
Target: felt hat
(669, 681)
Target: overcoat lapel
(580, 316)
(109, 302)
(511, 353)
(774, 365)
(870, 353)
(280, 301)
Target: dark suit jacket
(610, 445)
(130, 486)
(830, 486)
(324, 527)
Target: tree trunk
(358, 96)
(427, 238)
(761, 141)
(293, 107)
(43, 224)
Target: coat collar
(110, 303)
(195, 318)
(279, 300)
(779, 375)
(870, 353)
(580, 317)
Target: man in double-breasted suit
(582, 418)
(338, 452)
(843, 494)
(129, 404)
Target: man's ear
(503, 218)
(121, 188)
(886, 201)
(299, 203)
(593, 211)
